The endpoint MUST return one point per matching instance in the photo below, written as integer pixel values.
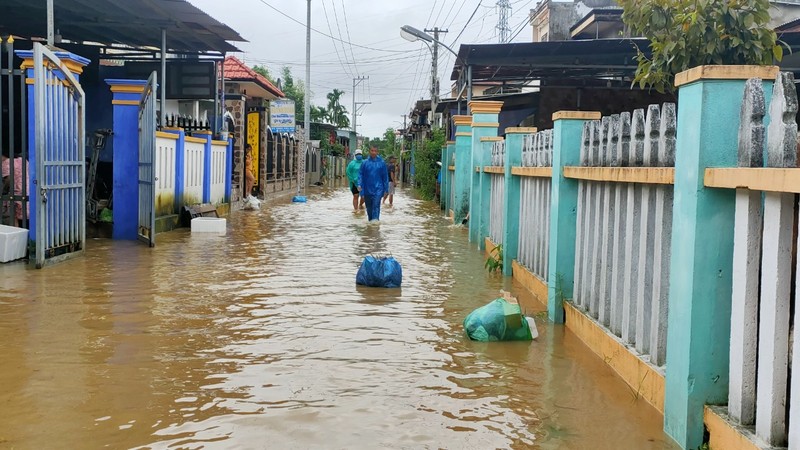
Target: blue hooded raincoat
(374, 181)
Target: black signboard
(190, 80)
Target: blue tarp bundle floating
(380, 272)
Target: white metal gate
(147, 150)
(59, 155)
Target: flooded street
(261, 339)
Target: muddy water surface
(260, 339)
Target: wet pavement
(260, 339)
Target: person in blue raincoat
(373, 182)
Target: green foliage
(336, 113)
(425, 164)
(495, 260)
(318, 113)
(263, 70)
(294, 89)
(690, 33)
(386, 145)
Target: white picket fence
(624, 229)
(193, 171)
(534, 215)
(498, 193)
(760, 360)
(165, 175)
(218, 170)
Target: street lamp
(412, 34)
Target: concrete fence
(624, 229)
(534, 214)
(219, 150)
(165, 167)
(667, 252)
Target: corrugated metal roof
(136, 23)
(589, 58)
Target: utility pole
(301, 159)
(356, 81)
(504, 31)
(435, 72)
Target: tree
(690, 33)
(318, 113)
(263, 70)
(425, 164)
(293, 89)
(337, 114)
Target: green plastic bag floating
(499, 320)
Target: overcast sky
(398, 70)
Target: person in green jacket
(352, 175)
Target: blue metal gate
(60, 162)
(147, 151)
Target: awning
(593, 58)
(136, 23)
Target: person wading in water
(373, 182)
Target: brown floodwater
(261, 339)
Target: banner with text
(281, 116)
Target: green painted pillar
(567, 131)
(512, 196)
(702, 247)
(446, 163)
(484, 124)
(443, 178)
(463, 151)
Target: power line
(339, 28)
(465, 25)
(347, 27)
(327, 35)
(335, 45)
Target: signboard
(281, 116)
(253, 124)
(190, 80)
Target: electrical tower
(504, 10)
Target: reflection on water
(261, 339)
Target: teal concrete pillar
(443, 178)
(484, 124)
(462, 177)
(447, 163)
(512, 196)
(702, 246)
(567, 131)
(485, 203)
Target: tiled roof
(237, 70)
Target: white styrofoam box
(208, 225)
(13, 243)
